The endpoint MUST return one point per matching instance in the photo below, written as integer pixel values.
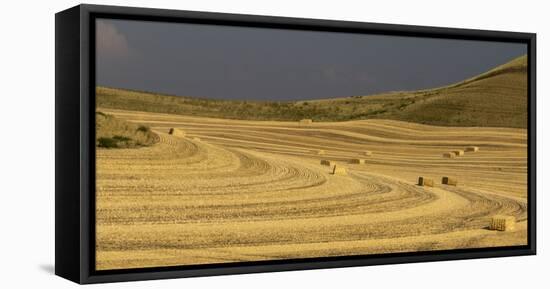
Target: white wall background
(27, 143)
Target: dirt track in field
(255, 190)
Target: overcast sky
(226, 62)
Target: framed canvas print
(194, 144)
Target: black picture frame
(75, 143)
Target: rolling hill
(497, 98)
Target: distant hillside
(497, 98)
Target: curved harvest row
(251, 190)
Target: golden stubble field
(232, 191)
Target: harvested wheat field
(256, 190)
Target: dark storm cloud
(258, 63)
